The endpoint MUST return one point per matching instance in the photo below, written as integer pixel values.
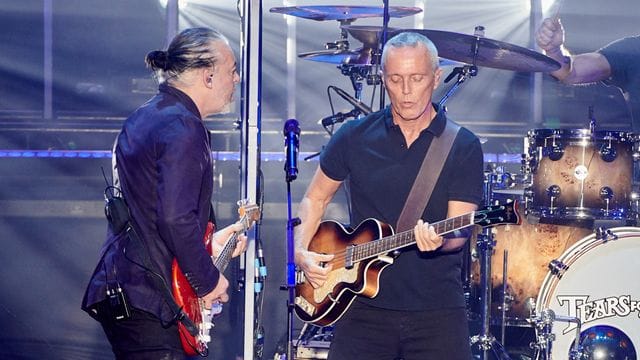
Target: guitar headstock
(501, 214)
(249, 213)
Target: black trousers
(143, 337)
(371, 333)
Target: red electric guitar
(187, 299)
(362, 254)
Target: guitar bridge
(304, 305)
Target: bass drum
(595, 281)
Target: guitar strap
(429, 172)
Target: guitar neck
(406, 238)
(222, 261)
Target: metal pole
(172, 20)
(536, 77)
(251, 48)
(292, 50)
(48, 60)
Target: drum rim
(574, 213)
(579, 133)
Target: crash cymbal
(340, 12)
(361, 56)
(490, 53)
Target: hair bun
(158, 59)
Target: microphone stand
(291, 172)
(291, 271)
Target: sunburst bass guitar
(362, 254)
(185, 296)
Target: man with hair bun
(164, 170)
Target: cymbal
(340, 12)
(369, 36)
(491, 53)
(361, 56)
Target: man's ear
(207, 77)
(437, 76)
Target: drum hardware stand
(466, 71)
(485, 340)
(545, 337)
(504, 297)
(463, 72)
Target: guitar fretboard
(405, 238)
(222, 261)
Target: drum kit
(567, 271)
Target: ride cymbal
(486, 52)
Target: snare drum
(595, 281)
(574, 174)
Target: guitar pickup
(348, 260)
(299, 277)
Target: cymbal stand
(356, 74)
(485, 341)
(464, 72)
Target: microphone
(351, 100)
(339, 117)
(291, 142)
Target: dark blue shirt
(372, 155)
(622, 56)
(164, 165)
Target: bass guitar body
(360, 255)
(325, 305)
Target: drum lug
(557, 268)
(555, 152)
(608, 153)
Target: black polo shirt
(622, 56)
(372, 155)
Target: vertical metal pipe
(48, 60)
(291, 53)
(536, 77)
(172, 20)
(251, 49)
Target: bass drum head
(600, 287)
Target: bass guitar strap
(428, 174)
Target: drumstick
(556, 14)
